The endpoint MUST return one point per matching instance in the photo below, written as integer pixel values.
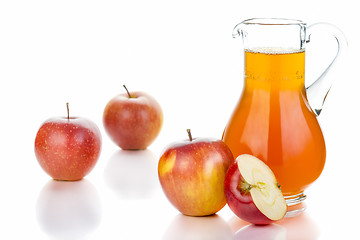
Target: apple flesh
(252, 191)
(192, 174)
(67, 148)
(133, 120)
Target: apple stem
(244, 186)
(67, 107)
(189, 134)
(127, 91)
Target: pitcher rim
(273, 21)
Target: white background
(182, 53)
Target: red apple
(67, 148)
(133, 120)
(192, 174)
(252, 191)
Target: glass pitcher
(276, 116)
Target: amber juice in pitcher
(273, 120)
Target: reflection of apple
(268, 232)
(189, 228)
(252, 191)
(192, 174)
(69, 210)
(133, 120)
(119, 173)
(300, 227)
(67, 148)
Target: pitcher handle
(318, 90)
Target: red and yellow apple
(133, 120)
(67, 148)
(192, 174)
(252, 191)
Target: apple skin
(192, 175)
(68, 148)
(133, 122)
(241, 203)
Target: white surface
(183, 54)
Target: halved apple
(252, 191)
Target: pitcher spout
(238, 30)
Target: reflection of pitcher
(275, 119)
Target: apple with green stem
(67, 148)
(252, 191)
(192, 174)
(133, 120)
